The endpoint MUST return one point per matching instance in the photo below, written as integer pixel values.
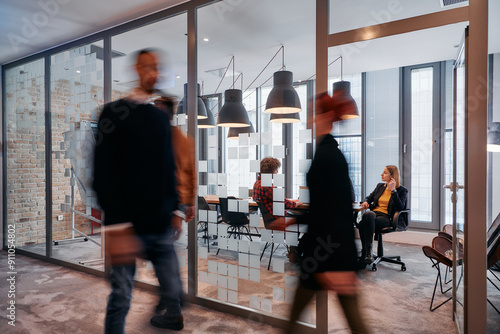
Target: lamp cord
(224, 75)
(258, 75)
(282, 48)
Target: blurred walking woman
(328, 251)
(387, 198)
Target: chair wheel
(374, 268)
(56, 243)
(403, 268)
(85, 239)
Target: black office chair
(270, 223)
(237, 221)
(399, 224)
(203, 225)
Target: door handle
(453, 186)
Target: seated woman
(384, 201)
(265, 194)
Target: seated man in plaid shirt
(265, 194)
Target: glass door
(421, 143)
(455, 210)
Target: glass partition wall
(168, 37)
(243, 263)
(493, 177)
(76, 81)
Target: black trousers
(370, 222)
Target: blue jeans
(159, 249)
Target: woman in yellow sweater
(387, 198)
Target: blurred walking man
(134, 178)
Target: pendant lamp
(283, 99)
(181, 108)
(285, 118)
(234, 133)
(494, 137)
(233, 113)
(208, 122)
(345, 105)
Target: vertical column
(3, 176)
(48, 161)
(322, 12)
(107, 69)
(192, 112)
(475, 168)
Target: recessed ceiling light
(77, 71)
(206, 39)
(178, 76)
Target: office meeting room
(250, 166)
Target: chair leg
(491, 281)
(248, 233)
(207, 239)
(438, 278)
(265, 247)
(271, 256)
(448, 270)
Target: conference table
(300, 208)
(214, 200)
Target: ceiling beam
(421, 22)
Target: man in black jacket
(135, 183)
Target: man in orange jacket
(184, 157)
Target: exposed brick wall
(25, 153)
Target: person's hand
(176, 225)
(391, 185)
(189, 211)
(365, 205)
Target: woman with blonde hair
(387, 198)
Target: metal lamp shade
(285, 118)
(208, 122)
(345, 106)
(181, 108)
(234, 133)
(494, 137)
(283, 99)
(233, 113)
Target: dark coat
(329, 242)
(396, 203)
(134, 166)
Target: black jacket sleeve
(370, 199)
(399, 198)
(104, 162)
